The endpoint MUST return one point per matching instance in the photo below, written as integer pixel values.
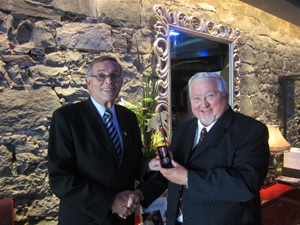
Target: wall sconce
(277, 145)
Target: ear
(227, 97)
(87, 81)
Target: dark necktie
(202, 135)
(112, 131)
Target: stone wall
(46, 44)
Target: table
(280, 205)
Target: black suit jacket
(225, 172)
(84, 170)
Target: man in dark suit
(90, 172)
(215, 181)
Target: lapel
(189, 140)
(98, 127)
(216, 132)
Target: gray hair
(220, 81)
(102, 59)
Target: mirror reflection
(189, 54)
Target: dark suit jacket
(225, 172)
(84, 171)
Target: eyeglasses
(102, 77)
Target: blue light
(173, 33)
(203, 53)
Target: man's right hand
(126, 203)
(120, 203)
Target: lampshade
(276, 141)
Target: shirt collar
(101, 109)
(200, 126)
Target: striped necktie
(112, 131)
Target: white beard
(209, 120)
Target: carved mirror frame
(168, 19)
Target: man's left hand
(177, 174)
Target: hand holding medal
(163, 152)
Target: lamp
(276, 141)
(277, 145)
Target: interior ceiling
(288, 10)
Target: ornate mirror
(185, 45)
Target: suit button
(173, 214)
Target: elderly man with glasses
(95, 153)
